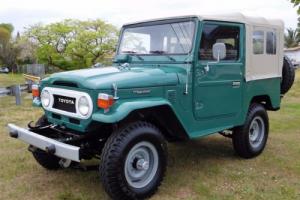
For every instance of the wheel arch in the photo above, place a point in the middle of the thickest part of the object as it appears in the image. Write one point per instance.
(264, 100)
(156, 111)
(163, 117)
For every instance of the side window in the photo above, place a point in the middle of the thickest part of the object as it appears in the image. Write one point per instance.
(258, 42)
(271, 43)
(213, 33)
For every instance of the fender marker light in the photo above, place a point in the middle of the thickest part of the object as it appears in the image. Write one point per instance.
(35, 91)
(105, 100)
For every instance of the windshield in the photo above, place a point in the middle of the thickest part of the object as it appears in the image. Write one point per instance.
(172, 38)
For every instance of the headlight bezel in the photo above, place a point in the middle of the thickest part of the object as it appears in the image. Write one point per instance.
(48, 99)
(83, 106)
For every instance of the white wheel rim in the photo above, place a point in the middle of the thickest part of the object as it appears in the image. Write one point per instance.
(141, 164)
(256, 132)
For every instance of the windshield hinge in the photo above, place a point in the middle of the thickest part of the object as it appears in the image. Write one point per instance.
(115, 90)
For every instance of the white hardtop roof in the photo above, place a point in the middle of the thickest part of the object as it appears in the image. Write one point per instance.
(233, 17)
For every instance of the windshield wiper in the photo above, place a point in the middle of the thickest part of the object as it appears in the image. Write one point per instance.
(129, 52)
(163, 53)
(158, 52)
(133, 53)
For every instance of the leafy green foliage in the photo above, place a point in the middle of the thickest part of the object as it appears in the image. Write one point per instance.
(291, 38)
(296, 4)
(4, 36)
(8, 27)
(8, 49)
(73, 44)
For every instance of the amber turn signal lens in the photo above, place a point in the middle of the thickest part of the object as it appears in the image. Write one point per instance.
(105, 100)
(35, 91)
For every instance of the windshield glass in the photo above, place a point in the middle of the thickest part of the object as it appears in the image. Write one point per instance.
(172, 38)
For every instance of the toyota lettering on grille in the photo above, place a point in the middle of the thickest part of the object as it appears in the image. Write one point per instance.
(66, 101)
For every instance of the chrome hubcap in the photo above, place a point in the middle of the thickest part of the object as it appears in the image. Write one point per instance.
(256, 132)
(141, 165)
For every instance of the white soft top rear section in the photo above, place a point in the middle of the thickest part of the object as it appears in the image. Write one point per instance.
(258, 66)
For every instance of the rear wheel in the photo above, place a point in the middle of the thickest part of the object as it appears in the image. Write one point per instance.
(250, 139)
(133, 161)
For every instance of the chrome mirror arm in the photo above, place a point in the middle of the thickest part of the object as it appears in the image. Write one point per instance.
(206, 68)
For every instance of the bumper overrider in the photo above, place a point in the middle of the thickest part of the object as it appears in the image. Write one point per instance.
(49, 145)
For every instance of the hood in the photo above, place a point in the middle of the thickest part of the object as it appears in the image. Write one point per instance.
(103, 78)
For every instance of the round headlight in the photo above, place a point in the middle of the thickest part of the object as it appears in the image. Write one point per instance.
(45, 98)
(83, 106)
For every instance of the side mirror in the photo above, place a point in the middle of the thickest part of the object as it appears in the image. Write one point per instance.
(219, 51)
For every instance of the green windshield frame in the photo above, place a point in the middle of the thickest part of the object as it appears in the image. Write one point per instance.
(177, 29)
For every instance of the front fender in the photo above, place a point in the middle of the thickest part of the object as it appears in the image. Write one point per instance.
(123, 107)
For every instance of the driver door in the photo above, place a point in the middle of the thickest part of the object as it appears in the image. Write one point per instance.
(218, 84)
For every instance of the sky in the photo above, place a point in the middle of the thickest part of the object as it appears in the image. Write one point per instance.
(22, 13)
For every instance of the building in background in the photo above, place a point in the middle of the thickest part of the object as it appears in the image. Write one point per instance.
(294, 55)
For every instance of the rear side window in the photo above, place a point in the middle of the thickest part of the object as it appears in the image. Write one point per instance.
(271, 43)
(258, 42)
(213, 33)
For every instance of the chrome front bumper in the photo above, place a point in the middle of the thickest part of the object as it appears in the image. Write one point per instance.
(55, 147)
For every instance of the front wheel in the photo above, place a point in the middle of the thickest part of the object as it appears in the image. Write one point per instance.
(46, 160)
(250, 139)
(133, 161)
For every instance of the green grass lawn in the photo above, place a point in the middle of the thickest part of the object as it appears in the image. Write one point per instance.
(201, 169)
(11, 79)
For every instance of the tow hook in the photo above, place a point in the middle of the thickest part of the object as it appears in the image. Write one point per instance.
(37, 128)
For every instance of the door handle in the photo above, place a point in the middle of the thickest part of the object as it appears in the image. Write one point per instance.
(236, 84)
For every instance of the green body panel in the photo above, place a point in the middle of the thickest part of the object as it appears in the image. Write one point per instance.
(268, 87)
(125, 107)
(211, 103)
(102, 78)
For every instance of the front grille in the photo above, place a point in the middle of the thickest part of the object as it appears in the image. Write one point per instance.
(64, 103)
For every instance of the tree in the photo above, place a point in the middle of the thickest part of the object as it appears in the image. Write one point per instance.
(291, 38)
(4, 36)
(296, 4)
(8, 49)
(73, 44)
(8, 27)
(27, 50)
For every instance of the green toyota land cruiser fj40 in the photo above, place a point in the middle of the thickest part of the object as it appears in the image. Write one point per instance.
(172, 79)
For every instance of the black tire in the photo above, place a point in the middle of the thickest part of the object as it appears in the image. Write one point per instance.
(46, 160)
(115, 155)
(244, 142)
(288, 75)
